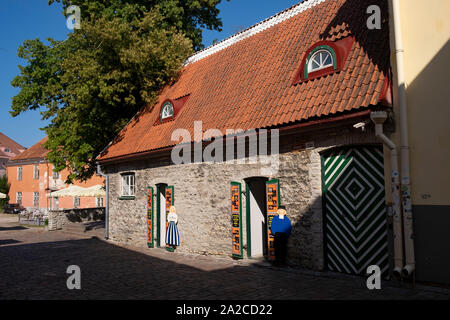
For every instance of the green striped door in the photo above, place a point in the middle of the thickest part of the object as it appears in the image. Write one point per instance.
(355, 211)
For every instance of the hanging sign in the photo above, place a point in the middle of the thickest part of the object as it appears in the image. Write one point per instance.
(236, 220)
(150, 242)
(273, 201)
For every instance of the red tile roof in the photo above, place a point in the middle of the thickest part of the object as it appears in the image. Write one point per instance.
(246, 81)
(8, 143)
(37, 151)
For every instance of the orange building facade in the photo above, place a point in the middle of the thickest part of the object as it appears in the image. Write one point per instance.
(32, 179)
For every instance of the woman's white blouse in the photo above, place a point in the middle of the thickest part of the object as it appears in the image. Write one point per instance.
(172, 217)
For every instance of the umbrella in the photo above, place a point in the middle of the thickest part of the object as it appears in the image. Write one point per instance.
(2, 196)
(94, 191)
(77, 191)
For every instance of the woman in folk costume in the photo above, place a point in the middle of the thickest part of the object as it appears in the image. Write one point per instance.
(172, 235)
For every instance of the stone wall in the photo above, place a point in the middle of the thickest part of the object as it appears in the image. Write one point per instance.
(202, 196)
(57, 219)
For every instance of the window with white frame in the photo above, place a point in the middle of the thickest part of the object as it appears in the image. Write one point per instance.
(36, 172)
(55, 204)
(128, 184)
(320, 60)
(55, 174)
(167, 111)
(76, 202)
(99, 202)
(19, 197)
(36, 199)
(19, 173)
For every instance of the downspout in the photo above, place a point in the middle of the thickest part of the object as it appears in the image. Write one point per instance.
(404, 147)
(100, 172)
(378, 118)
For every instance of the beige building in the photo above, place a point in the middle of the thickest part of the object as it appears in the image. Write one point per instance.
(421, 42)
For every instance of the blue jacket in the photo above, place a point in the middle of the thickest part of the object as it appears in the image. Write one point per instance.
(281, 225)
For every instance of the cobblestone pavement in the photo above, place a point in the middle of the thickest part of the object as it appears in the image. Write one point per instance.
(33, 265)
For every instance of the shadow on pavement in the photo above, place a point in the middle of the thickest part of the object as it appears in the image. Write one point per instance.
(38, 271)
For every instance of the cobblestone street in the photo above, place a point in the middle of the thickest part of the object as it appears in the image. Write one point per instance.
(33, 265)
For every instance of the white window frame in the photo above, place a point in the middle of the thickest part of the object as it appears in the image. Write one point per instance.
(128, 184)
(99, 202)
(55, 203)
(322, 66)
(36, 172)
(76, 202)
(19, 173)
(36, 199)
(164, 114)
(19, 197)
(55, 175)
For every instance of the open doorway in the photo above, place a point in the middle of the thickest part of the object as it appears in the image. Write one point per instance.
(256, 214)
(161, 214)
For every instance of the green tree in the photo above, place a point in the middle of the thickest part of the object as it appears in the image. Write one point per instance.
(92, 83)
(4, 188)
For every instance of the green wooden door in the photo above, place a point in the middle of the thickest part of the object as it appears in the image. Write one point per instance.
(355, 211)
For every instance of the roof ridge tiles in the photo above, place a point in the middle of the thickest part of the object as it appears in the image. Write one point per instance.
(255, 29)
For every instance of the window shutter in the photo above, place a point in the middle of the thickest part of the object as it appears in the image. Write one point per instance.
(273, 202)
(236, 220)
(169, 201)
(150, 238)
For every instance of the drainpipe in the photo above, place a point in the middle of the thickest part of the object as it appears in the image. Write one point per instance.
(378, 118)
(404, 147)
(100, 172)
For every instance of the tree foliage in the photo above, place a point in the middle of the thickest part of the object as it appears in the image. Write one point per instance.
(92, 83)
(4, 188)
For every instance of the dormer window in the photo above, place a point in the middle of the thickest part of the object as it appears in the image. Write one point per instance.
(320, 60)
(324, 58)
(167, 111)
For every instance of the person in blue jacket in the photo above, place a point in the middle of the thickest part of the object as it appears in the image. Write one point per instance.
(281, 229)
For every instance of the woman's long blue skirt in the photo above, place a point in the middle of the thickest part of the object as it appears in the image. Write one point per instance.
(172, 236)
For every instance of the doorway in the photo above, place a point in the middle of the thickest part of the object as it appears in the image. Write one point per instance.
(161, 215)
(256, 214)
(354, 209)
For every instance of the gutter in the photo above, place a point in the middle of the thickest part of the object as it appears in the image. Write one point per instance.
(100, 172)
(378, 118)
(409, 268)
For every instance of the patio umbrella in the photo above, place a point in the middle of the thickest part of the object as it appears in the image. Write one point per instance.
(2, 196)
(71, 191)
(77, 191)
(94, 191)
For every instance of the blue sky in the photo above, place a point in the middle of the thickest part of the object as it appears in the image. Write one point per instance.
(29, 19)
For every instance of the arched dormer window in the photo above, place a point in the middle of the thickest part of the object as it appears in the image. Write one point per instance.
(323, 58)
(320, 58)
(167, 111)
(170, 108)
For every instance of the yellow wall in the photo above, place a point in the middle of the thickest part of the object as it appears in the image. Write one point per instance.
(426, 34)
